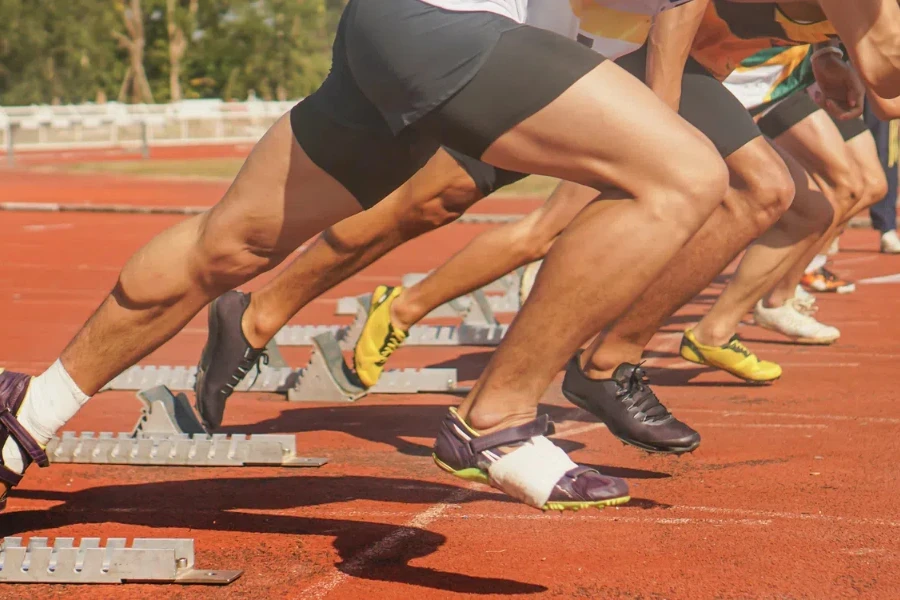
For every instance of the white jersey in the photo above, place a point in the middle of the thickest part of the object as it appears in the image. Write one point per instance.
(611, 27)
(514, 9)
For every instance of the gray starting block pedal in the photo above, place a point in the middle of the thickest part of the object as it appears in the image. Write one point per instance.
(419, 335)
(327, 378)
(489, 218)
(502, 285)
(476, 308)
(168, 433)
(164, 413)
(217, 450)
(147, 560)
(269, 379)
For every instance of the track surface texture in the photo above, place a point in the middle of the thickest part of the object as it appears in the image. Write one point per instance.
(792, 493)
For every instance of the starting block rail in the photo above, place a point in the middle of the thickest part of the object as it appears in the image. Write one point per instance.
(475, 308)
(168, 433)
(147, 560)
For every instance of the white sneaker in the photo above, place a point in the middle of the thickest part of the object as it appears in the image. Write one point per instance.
(529, 274)
(801, 294)
(890, 243)
(834, 248)
(795, 320)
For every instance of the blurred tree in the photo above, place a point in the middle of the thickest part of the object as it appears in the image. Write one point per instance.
(67, 51)
(57, 51)
(135, 84)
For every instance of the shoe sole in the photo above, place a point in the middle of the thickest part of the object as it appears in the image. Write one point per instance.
(479, 476)
(212, 340)
(759, 382)
(800, 340)
(631, 442)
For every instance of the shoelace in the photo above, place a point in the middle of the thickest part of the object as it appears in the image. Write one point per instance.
(805, 306)
(828, 275)
(391, 343)
(247, 363)
(643, 398)
(738, 346)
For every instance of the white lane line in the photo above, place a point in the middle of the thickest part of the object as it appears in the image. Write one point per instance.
(764, 425)
(883, 279)
(386, 545)
(744, 413)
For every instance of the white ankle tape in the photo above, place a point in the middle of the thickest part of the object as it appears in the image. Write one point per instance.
(530, 472)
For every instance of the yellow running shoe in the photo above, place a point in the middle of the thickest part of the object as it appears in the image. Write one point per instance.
(379, 338)
(734, 357)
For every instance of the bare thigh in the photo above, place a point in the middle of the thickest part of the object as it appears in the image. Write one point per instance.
(608, 130)
(278, 200)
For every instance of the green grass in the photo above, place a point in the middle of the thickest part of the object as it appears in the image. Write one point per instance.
(533, 185)
(218, 168)
(227, 168)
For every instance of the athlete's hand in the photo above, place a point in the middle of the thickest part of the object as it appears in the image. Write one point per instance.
(841, 92)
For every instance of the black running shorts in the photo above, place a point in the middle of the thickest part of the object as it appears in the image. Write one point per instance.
(407, 77)
(705, 103)
(796, 107)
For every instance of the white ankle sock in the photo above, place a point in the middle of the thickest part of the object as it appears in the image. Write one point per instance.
(52, 399)
(817, 263)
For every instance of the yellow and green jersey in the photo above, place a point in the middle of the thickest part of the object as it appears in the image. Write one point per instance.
(771, 75)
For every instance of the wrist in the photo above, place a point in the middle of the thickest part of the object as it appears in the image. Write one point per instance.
(827, 51)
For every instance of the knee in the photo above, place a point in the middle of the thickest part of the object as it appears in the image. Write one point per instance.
(457, 196)
(225, 257)
(769, 194)
(692, 193)
(875, 188)
(531, 239)
(849, 188)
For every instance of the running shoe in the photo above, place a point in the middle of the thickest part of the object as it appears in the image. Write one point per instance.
(823, 280)
(795, 320)
(890, 242)
(734, 358)
(379, 337)
(629, 408)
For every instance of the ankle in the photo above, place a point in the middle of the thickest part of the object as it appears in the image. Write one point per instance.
(599, 366)
(487, 421)
(404, 312)
(258, 325)
(712, 336)
(776, 299)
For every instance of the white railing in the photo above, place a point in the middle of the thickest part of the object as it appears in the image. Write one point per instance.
(84, 126)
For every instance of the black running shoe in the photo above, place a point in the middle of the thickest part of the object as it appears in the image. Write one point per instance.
(629, 408)
(226, 359)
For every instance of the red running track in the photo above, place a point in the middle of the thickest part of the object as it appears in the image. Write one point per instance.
(791, 495)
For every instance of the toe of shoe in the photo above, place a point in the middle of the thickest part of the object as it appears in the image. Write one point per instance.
(597, 486)
(680, 438)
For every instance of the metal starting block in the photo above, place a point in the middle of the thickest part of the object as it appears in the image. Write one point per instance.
(466, 334)
(489, 218)
(476, 308)
(327, 378)
(147, 560)
(168, 433)
(502, 285)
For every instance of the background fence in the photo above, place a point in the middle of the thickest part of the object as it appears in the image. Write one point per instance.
(86, 126)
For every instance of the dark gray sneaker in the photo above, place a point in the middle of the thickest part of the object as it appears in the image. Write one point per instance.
(629, 408)
(226, 359)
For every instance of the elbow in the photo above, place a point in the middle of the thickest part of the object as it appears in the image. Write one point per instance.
(885, 111)
(886, 87)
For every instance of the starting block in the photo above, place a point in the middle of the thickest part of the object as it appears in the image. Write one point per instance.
(147, 560)
(476, 308)
(465, 334)
(502, 285)
(327, 378)
(489, 218)
(168, 433)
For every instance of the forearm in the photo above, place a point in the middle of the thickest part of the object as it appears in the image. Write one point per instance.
(669, 46)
